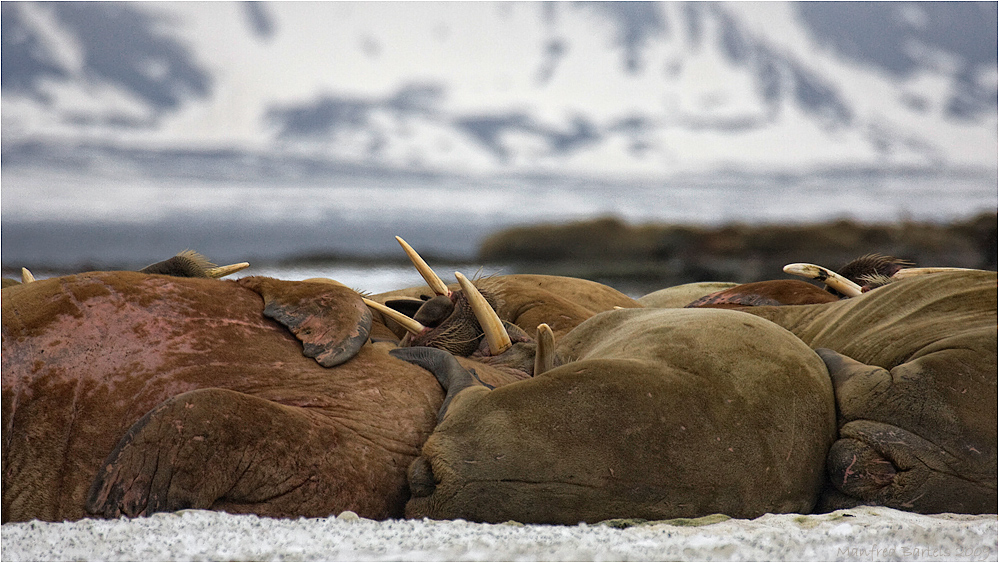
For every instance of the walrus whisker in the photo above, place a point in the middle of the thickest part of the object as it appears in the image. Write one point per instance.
(825, 275)
(496, 335)
(405, 322)
(432, 279)
(462, 341)
(875, 280)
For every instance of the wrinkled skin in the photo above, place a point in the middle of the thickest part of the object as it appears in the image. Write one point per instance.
(664, 413)
(913, 365)
(524, 300)
(127, 394)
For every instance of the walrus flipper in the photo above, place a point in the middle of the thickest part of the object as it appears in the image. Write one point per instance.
(331, 321)
(886, 465)
(449, 373)
(903, 443)
(215, 449)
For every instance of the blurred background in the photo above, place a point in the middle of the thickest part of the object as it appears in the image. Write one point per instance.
(642, 144)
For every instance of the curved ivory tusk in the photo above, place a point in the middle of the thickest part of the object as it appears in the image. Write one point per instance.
(913, 272)
(496, 336)
(405, 322)
(26, 276)
(432, 279)
(222, 271)
(544, 358)
(825, 275)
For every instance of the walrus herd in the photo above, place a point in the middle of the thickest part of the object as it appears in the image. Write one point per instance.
(539, 399)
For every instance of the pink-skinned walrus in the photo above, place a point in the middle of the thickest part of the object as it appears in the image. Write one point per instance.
(127, 393)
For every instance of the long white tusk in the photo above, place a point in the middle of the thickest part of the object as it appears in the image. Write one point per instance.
(405, 322)
(496, 336)
(26, 276)
(222, 271)
(825, 275)
(913, 272)
(544, 358)
(432, 279)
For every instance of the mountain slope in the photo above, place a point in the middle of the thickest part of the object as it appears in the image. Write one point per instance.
(619, 89)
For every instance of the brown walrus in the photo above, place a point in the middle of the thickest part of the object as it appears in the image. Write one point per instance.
(127, 394)
(913, 364)
(661, 413)
(917, 414)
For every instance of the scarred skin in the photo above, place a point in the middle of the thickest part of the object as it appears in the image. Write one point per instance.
(126, 394)
(765, 293)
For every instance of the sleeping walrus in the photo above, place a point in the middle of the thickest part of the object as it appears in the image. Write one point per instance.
(917, 413)
(913, 364)
(661, 413)
(126, 394)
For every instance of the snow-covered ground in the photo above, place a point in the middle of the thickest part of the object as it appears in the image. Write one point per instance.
(597, 89)
(864, 534)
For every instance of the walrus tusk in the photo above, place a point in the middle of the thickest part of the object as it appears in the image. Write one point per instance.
(26, 276)
(405, 322)
(222, 271)
(825, 275)
(905, 273)
(432, 279)
(544, 358)
(496, 336)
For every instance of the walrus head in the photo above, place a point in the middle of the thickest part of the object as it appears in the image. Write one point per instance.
(190, 264)
(871, 271)
(463, 321)
(449, 324)
(864, 274)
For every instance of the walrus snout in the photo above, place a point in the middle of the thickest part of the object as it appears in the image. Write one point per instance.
(434, 311)
(451, 325)
(421, 478)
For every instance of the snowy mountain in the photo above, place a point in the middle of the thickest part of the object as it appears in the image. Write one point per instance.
(620, 89)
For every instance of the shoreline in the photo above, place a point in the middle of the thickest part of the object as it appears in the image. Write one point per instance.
(638, 258)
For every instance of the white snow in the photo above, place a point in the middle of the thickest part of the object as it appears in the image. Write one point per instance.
(492, 59)
(863, 533)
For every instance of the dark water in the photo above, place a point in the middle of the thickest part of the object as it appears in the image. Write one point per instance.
(72, 221)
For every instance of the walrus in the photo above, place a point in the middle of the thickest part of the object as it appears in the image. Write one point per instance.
(185, 264)
(852, 279)
(913, 365)
(926, 343)
(661, 413)
(518, 303)
(127, 393)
